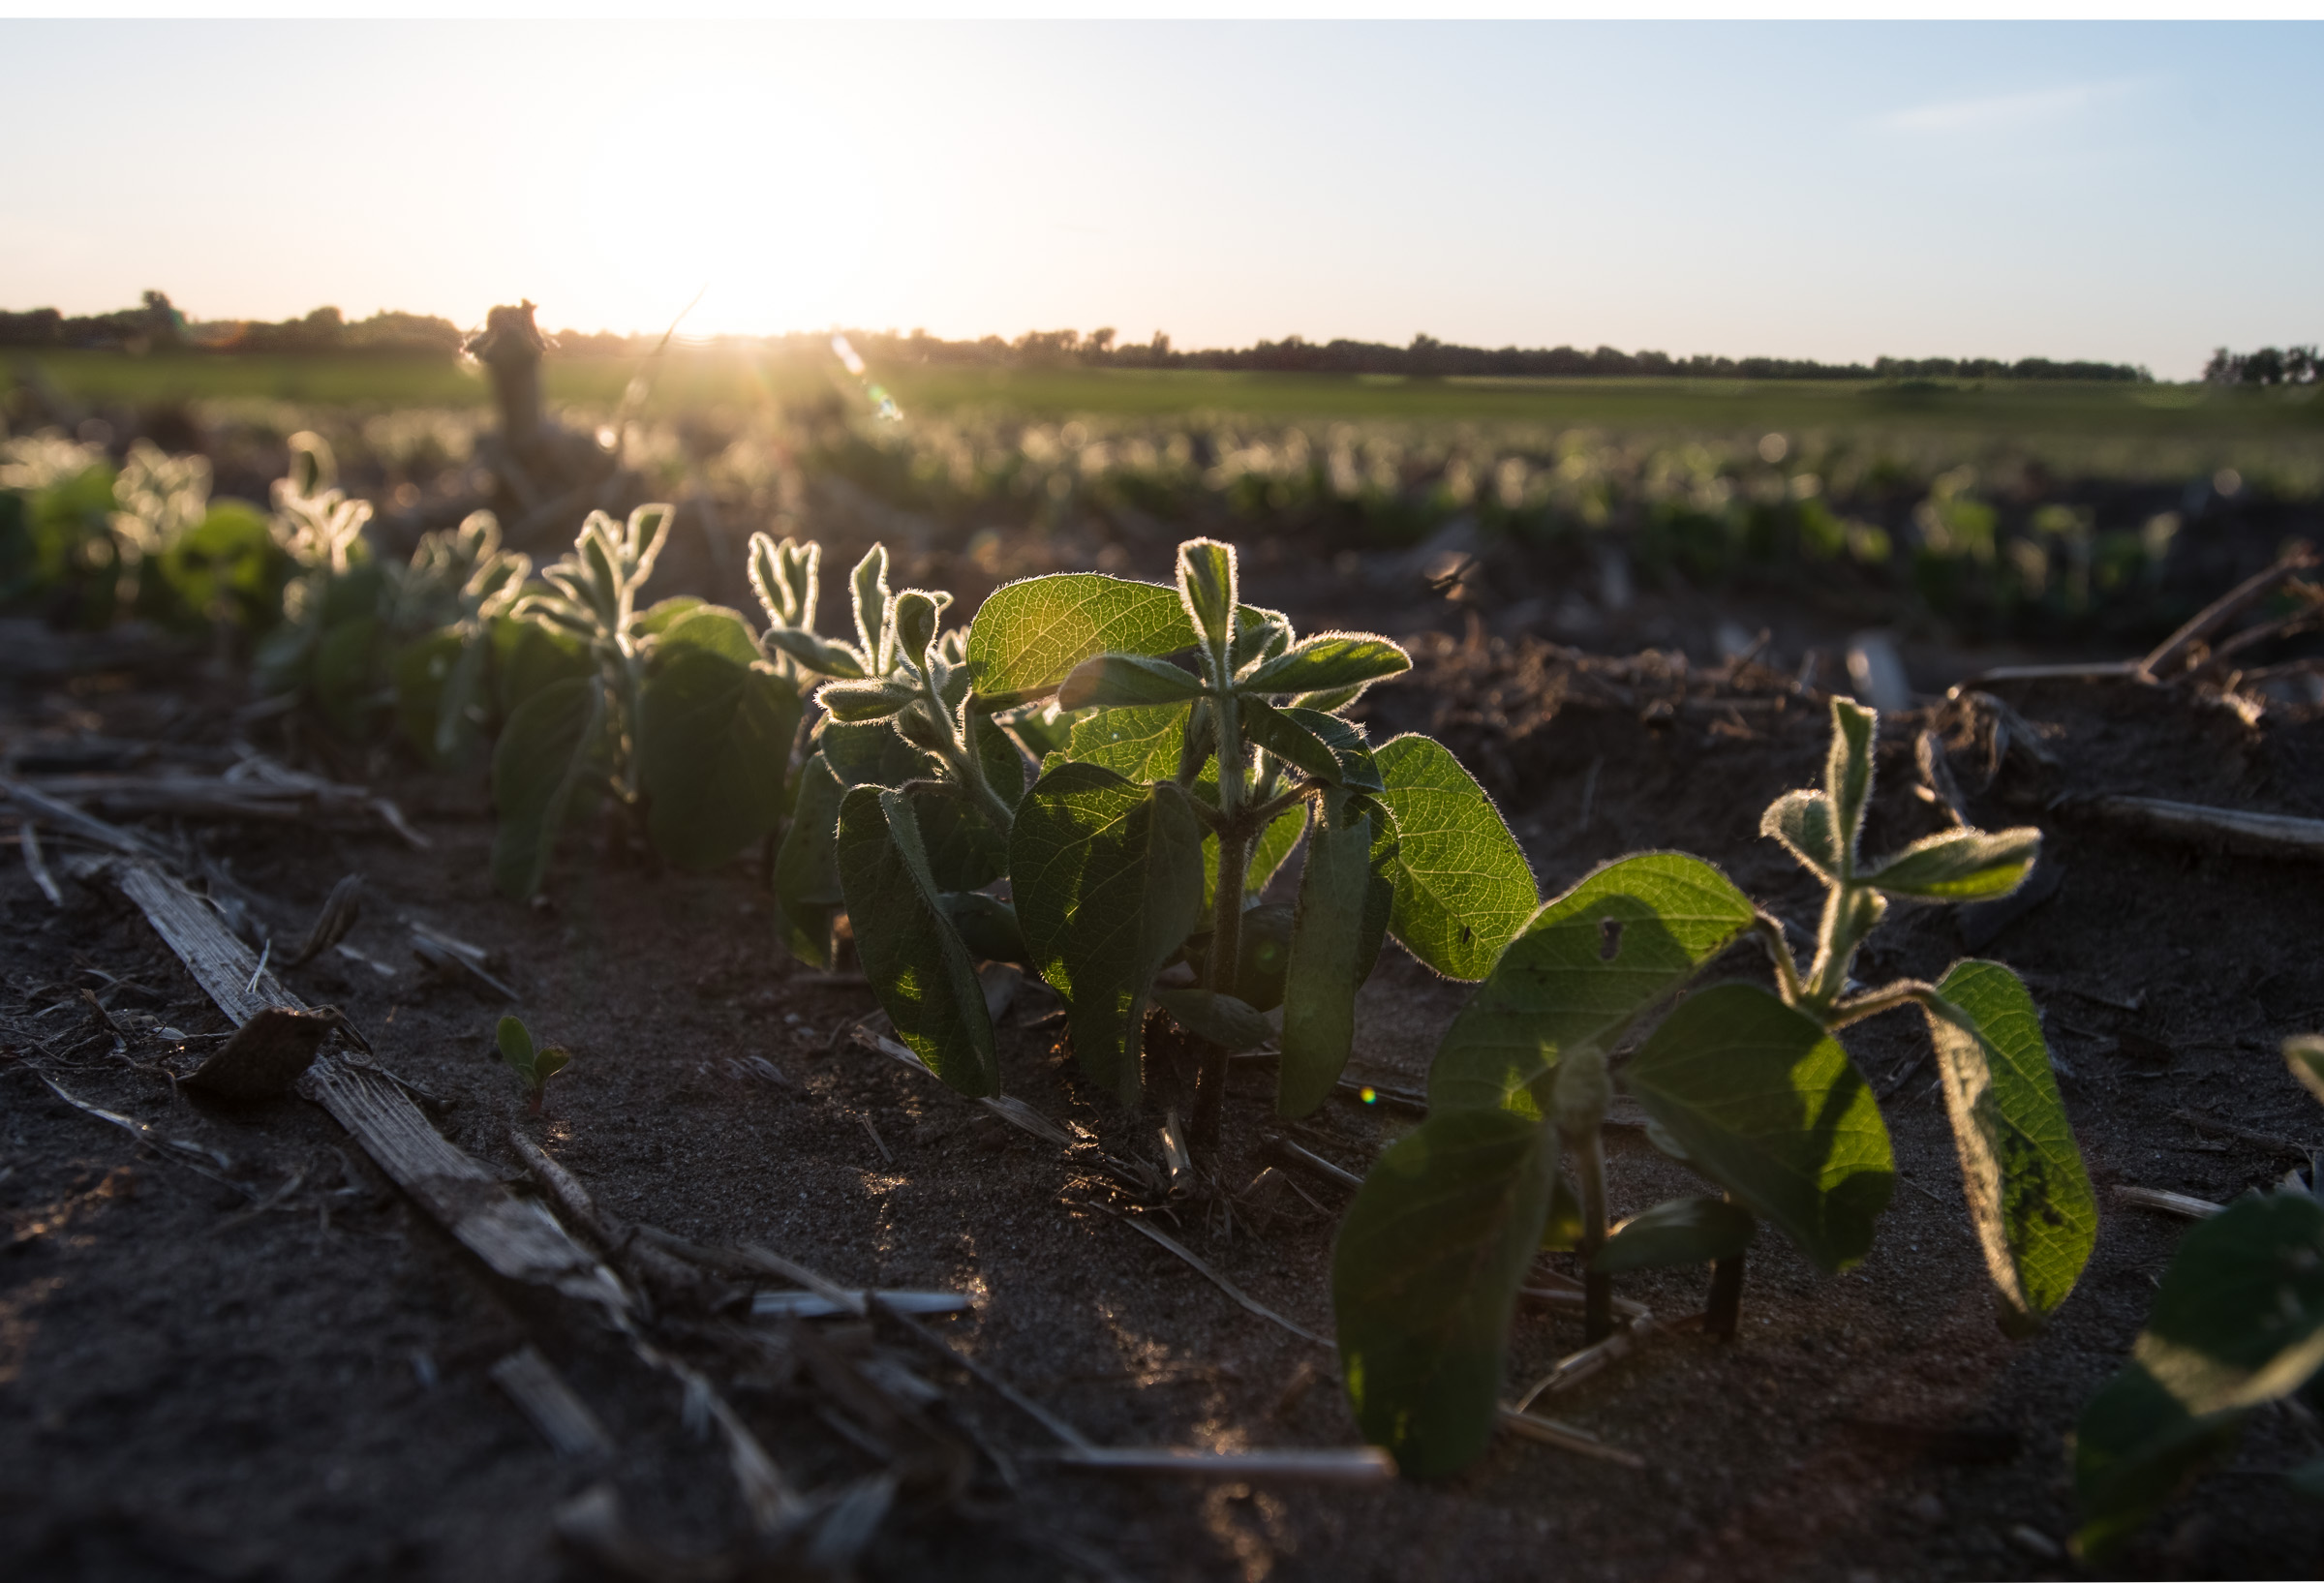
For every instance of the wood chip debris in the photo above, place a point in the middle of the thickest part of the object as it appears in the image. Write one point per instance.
(541, 1394)
(785, 1305)
(1326, 1465)
(2184, 1204)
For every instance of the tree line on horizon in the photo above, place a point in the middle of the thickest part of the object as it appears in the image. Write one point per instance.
(157, 326)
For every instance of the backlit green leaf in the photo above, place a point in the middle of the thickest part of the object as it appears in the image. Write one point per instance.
(1328, 661)
(2240, 1315)
(706, 629)
(1693, 1230)
(1766, 1104)
(554, 748)
(1108, 880)
(2304, 1056)
(1424, 1279)
(1028, 636)
(667, 613)
(2239, 1321)
(1126, 681)
(1463, 885)
(1961, 864)
(1223, 1019)
(807, 873)
(918, 967)
(1586, 967)
(1206, 585)
(1327, 947)
(1321, 745)
(855, 701)
(527, 657)
(1848, 773)
(1802, 820)
(346, 686)
(2029, 1197)
(716, 744)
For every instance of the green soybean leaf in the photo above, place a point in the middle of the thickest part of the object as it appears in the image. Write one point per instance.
(1043, 729)
(1266, 955)
(345, 683)
(2029, 1196)
(1206, 585)
(807, 873)
(716, 744)
(868, 587)
(1321, 745)
(1275, 843)
(2136, 1447)
(2240, 1317)
(965, 852)
(2239, 1321)
(1126, 681)
(1961, 864)
(1259, 633)
(986, 927)
(855, 701)
(1562, 1231)
(2304, 1056)
(1028, 636)
(918, 967)
(1332, 700)
(438, 679)
(1766, 1104)
(870, 754)
(1222, 1020)
(819, 655)
(667, 613)
(1136, 743)
(1693, 1230)
(1424, 1279)
(706, 629)
(1002, 761)
(1108, 880)
(553, 750)
(1802, 820)
(1848, 773)
(1582, 972)
(516, 1045)
(527, 657)
(1327, 945)
(1325, 662)
(1463, 886)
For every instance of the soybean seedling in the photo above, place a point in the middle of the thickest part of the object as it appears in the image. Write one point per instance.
(533, 1065)
(1186, 743)
(1749, 1086)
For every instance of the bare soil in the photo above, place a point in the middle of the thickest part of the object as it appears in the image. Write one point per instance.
(285, 1377)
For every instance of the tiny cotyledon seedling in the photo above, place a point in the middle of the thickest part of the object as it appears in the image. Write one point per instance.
(1747, 1084)
(533, 1064)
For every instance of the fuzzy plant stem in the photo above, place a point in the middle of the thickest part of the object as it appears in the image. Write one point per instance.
(1598, 1289)
(1235, 838)
(1725, 1308)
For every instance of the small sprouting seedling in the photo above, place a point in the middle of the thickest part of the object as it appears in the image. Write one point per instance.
(1186, 743)
(533, 1065)
(1748, 1086)
(2237, 1323)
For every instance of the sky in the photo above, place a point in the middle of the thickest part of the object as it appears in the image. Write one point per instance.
(2136, 191)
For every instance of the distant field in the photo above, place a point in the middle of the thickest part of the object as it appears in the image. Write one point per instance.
(693, 380)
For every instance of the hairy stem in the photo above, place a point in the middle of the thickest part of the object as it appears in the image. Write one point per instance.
(1779, 948)
(1237, 835)
(1598, 1289)
(1723, 1311)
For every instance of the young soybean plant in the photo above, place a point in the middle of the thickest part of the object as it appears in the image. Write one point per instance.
(2238, 1323)
(674, 712)
(1750, 1087)
(1187, 740)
